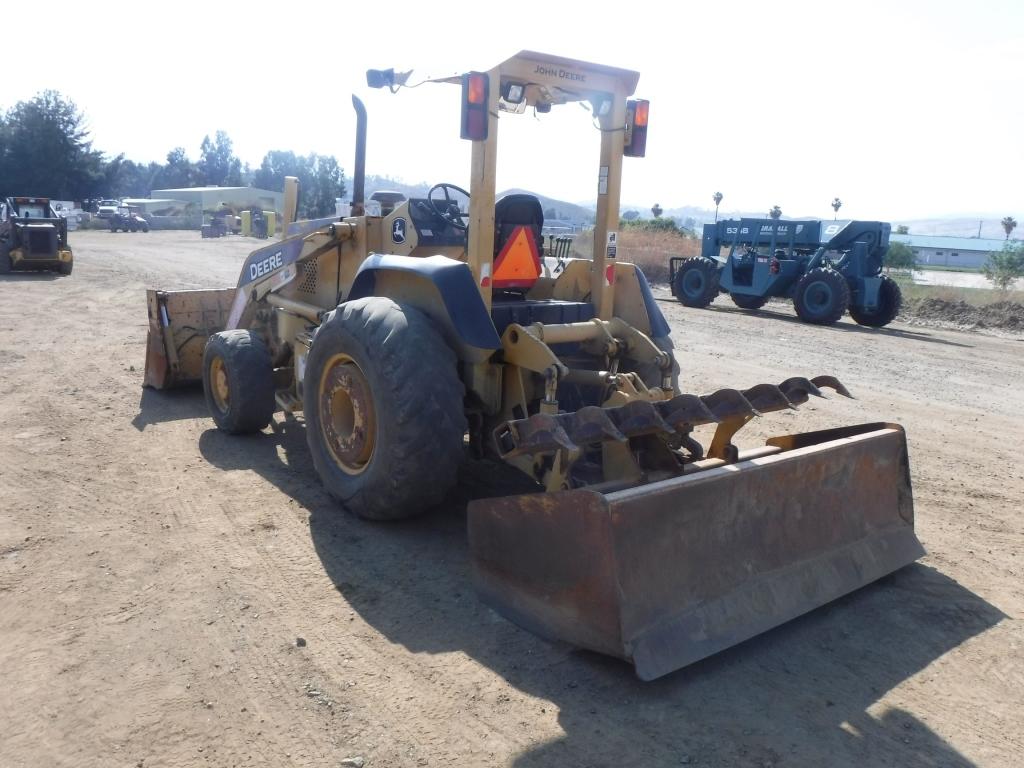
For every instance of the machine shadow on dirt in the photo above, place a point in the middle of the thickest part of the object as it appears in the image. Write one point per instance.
(156, 407)
(28, 277)
(787, 317)
(801, 691)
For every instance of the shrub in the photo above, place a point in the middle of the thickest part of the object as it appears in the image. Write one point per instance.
(900, 256)
(1005, 266)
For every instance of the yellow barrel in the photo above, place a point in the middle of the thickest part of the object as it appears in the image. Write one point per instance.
(246, 223)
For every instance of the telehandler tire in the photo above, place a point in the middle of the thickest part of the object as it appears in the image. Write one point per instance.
(238, 381)
(384, 409)
(5, 262)
(745, 301)
(890, 299)
(696, 282)
(822, 296)
(65, 267)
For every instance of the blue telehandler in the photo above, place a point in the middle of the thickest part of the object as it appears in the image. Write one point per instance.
(825, 267)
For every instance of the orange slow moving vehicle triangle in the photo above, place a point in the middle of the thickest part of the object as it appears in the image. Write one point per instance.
(518, 264)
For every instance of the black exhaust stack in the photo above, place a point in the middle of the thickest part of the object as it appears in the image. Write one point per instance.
(359, 173)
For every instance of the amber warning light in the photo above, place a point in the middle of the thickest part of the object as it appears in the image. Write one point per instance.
(636, 127)
(475, 98)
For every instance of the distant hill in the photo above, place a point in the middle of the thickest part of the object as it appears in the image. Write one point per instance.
(382, 183)
(577, 214)
(961, 226)
(691, 216)
(562, 210)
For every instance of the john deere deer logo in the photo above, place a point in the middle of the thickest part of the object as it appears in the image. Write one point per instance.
(398, 231)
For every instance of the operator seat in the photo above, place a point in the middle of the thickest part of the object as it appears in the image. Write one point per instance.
(518, 210)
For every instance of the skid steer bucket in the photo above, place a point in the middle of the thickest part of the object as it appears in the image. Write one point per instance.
(180, 322)
(668, 573)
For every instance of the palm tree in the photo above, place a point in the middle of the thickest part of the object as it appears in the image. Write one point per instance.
(717, 197)
(775, 212)
(836, 205)
(1009, 225)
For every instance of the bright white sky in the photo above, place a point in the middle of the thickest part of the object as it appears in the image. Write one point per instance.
(903, 109)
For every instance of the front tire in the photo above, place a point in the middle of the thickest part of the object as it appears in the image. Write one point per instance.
(890, 299)
(822, 296)
(65, 267)
(384, 414)
(745, 301)
(238, 381)
(696, 282)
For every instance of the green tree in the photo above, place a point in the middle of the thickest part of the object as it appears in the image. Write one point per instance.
(775, 212)
(657, 210)
(899, 256)
(717, 197)
(45, 150)
(321, 179)
(217, 164)
(275, 166)
(836, 205)
(326, 183)
(1009, 225)
(125, 178)
(1004, 267)
(178, 173)
(902, 229)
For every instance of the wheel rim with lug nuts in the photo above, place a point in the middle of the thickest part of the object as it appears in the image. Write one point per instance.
(693, 283)
(347, 419)
(819, 296)
(219, 385)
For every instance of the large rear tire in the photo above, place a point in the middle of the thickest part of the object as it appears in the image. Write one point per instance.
(65, 267)
(238, 381)
(890, 299)
(745, 301)
(384, 409)
(822, 296)
(5, 261)
(696, 282)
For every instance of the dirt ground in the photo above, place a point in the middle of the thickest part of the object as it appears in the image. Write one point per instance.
(155, 575)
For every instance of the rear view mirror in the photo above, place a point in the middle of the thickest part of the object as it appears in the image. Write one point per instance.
(380, 78)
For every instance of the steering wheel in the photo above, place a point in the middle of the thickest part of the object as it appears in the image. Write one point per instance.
(448, 209)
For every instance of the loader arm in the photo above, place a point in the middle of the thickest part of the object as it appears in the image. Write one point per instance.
(180, 322)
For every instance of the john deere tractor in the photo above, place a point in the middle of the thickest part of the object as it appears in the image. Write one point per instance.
(417, 332)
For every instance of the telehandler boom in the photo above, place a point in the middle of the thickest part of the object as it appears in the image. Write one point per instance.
(415, 330)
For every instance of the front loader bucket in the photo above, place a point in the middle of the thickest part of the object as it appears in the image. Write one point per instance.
(668, 573)
(180, 322)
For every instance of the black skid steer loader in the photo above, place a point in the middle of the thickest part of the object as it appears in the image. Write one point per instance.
(416, 327)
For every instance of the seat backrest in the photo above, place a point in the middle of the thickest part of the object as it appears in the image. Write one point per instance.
(514, 211)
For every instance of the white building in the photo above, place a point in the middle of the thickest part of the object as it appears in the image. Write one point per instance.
(211, 198)
(940, 251)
